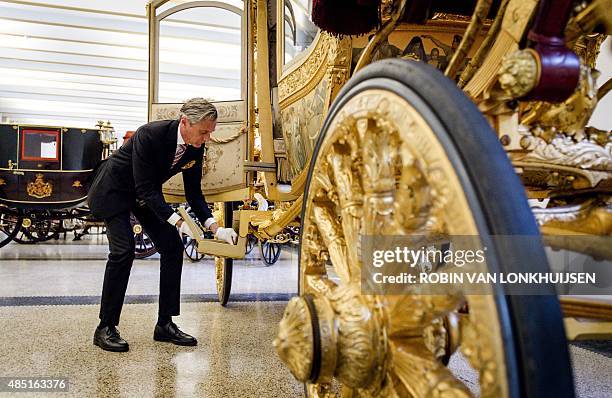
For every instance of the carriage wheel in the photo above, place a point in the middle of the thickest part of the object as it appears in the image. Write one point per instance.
(224, 266)
(191, 249)
(270, 252)
(143, 244)
(251, 243)
(10, 223)
(35, 229)
(403, 151)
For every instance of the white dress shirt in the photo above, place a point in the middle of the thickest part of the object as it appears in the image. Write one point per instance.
(175, 216)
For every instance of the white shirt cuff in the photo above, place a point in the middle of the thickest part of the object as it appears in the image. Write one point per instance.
(210, 221)
(173, 218)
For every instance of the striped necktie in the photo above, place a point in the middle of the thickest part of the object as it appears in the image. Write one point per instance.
(180, 150)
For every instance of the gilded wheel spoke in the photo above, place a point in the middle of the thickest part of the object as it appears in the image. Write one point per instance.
(422, 375)
(331, 233)
(350, 198)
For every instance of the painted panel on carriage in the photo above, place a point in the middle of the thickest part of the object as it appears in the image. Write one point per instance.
(301, 123)
(435, 46)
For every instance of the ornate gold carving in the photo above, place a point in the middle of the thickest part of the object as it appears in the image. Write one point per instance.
(2, 182)
(219, 275)
(518, 74)
(39, 188)
(381, 171)
(563, 150)
(77, 184)
(270, 224)
(591, 217)
(514, 25)
(435, 337)
(571, 116)
(443, 16)
(328, 51)
(557, 151)
(293, 343)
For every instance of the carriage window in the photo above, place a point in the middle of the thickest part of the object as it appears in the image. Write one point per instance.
(40, 145)
(298, 29)
(200, 55)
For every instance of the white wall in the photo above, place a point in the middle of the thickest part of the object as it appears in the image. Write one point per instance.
(602, 117)
(71, 63)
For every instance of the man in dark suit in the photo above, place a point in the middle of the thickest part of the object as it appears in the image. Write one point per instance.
(131, 181)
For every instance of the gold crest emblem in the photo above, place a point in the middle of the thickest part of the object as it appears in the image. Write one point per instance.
(39, 188)
(188, 165)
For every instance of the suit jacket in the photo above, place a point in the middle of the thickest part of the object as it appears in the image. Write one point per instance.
(137, 170)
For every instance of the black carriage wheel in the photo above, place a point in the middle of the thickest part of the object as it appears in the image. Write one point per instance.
(10, 224)
(251, 243)
(191, 249)
(270, 252)
(42, 231)
(224, 266)
(143, 245)
(534, 343)
(38, 230)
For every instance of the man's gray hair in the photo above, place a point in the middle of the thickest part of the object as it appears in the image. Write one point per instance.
(198, 109)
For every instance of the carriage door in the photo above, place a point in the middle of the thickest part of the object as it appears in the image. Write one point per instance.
(198, 49)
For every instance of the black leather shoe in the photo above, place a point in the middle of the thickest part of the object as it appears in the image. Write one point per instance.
(108, 339)
(170, 332)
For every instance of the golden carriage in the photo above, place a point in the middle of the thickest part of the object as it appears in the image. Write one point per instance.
(349, 149)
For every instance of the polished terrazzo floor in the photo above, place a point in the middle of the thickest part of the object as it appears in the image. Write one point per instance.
(234, 357)
(49, 295)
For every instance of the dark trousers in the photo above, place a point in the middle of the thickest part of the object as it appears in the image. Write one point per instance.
(121, 242)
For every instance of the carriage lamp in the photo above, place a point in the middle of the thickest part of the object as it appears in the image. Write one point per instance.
(106, 132)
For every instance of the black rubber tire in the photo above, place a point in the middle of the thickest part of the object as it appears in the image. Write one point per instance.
(228, 263)
(532, 326)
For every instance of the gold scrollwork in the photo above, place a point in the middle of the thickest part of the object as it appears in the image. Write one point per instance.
(329, 51)
(77, 184)
(2, 182)
(39, 188)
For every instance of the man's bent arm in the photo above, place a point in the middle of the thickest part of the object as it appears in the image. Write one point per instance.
(143, 155)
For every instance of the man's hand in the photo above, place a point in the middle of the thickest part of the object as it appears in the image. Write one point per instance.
(184, 229)
(227, 234)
